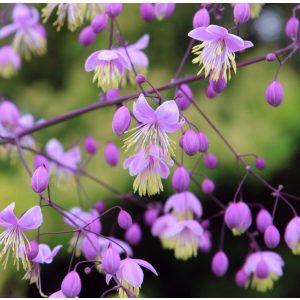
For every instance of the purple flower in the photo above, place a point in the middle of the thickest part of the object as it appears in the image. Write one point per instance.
(109, 67)
(111, 154)
(164, 10)
(131, 275)
(12, 238)
(113, 9)
(151, 215)
(190, 142)
(39, 180)
(241, 12)
(272, 237)
(133, 234)
(219, 264)
(90, 144)
(184, 95)
(124, 219)
(99, 23)
(216, 53)
(121, 120)
(201, 18)
(71, 285)
(30, 35)
(119, 245)
(10, 61)
(211, 161)
(263, 220)
(148, 167)
(207, 186)
(110, 95)
(292, 28)
(203, 142)
(260, 163)
(9, 114)
(181, 179)
(147, 12)
(110, 261)
(58, 294)
(205, 242)
(154, 125)
(87, 36)
(90, 246)
(274, 93)
(292, 235)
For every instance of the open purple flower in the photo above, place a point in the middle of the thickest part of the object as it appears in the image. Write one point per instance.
(216, 53)
(13, 238)
(10, 61)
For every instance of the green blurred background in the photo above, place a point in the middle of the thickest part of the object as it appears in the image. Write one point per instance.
(57, 83)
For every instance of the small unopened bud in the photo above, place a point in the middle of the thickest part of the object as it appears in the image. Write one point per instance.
(113, 9)
(183, 97)
(111, 154)
(99, 23)
(164, 10)
(211, 161)
(71, 285)
(147, 12)
(271, 57)
(274, 93)
(150, 216)
(262, 269)
(87, 270)
(133, 234)
(181, 180)
(87, 36)
(210, 92)
(207, 186)
(263, 220)
(201, 18)
(32, 249)
(40, 160)
(292, 28)
(272, 237)
(241, 278)
(121, 120)
(124, 219)
(220, 264)
(260, 163)
(90, 145)
(110, 261)
(100, 206)
(241, 12)
(203, 142)
(190, 142)
(140, 79)
(90, 246)
(39, 179)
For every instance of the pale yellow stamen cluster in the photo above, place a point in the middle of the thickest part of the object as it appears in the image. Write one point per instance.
(262, 285)
(128, 286)
(7, 71)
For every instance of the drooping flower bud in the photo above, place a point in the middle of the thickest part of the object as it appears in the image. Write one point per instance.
(238, 217)
(292, 28)
(100, 206)
(183, 97)
(90, 144)
(147, 12)
(220, 264)
(99, 23)
(121, 120)
(271, 57)
(87, 36)
(263, 220)
(71, 285)
(32, 249)
(262, 270)
(110, 95)
(111, 154)
(241, 278)
(241, 12)
(205, 242)
(201, 18)
(140, 79)
(164, 10)
(90, 246)
(181, 179)
(110, 261)
(190, 142)
(211, 161)
(274, 93)
(124, 219)
(272, 237)
(9, 114)
(151, 215)
(210, 92)
(207, 186)
(203, 142)
(219, 85)
(40, 160)
(260, 163)
(133, 234)
(39, 179)
(113, 9)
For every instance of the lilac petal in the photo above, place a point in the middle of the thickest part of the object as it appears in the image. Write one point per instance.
(174, 230)
(142, 43)
(53, 253)
(7, 216)
(207, 34)
(124, 60)
(75, 211)
(194, 203)
(44, 252)
(248, 44)
(194, 226)
(128, 161)
(162, 223)
(274, 262)
(74, 154)
(291, 234)
(235, 43)
(32, 219)
(92, 61)
(217, 30)
(146, 265)
(167, 115)
(108, 278)
(143, 112)
(54, 149)
(7, 30)
(131, 272)
(138, 165)
(164, 170)
(138, 58)
(120, 246)
(58, 294)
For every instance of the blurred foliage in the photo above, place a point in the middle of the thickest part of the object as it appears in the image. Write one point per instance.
(57, 83)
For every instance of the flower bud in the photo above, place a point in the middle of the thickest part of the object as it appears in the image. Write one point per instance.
(181, 180)
(190, 142)
(90, 145)
(113, 9)
(90, 246)
(292, 28)
(271, 57)
(110, 95)
(183, 97)
(241, 12)
(147, 12)
(40, 160)
(272, 237)
(140, 79)
(124, 219)
(39, 179)
(110, 261)
(205, 242)
(263, 220)
(238, 217)
(201, 18)
(211, 161)
(210, 92)
(32, 249)
(87, 36)
(71, 285)
(262, 270)
(121, 120)
(219, 264)
(241, 278)
(203, 142)
(150, 216)
(133, 234)
(274, 93)
(260, 163)
(207, 186)
(99, 23)
(9, 114)
(100, 206)
(164, 10)
(111, 154)
(219, 85)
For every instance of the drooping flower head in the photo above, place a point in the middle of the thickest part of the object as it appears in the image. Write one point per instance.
(30, 35)
(154, 126)
(216, 53)
(109, 67)
(149, 165)
(292, 235)
(13, 238)
(262, 269)
(10, 61)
